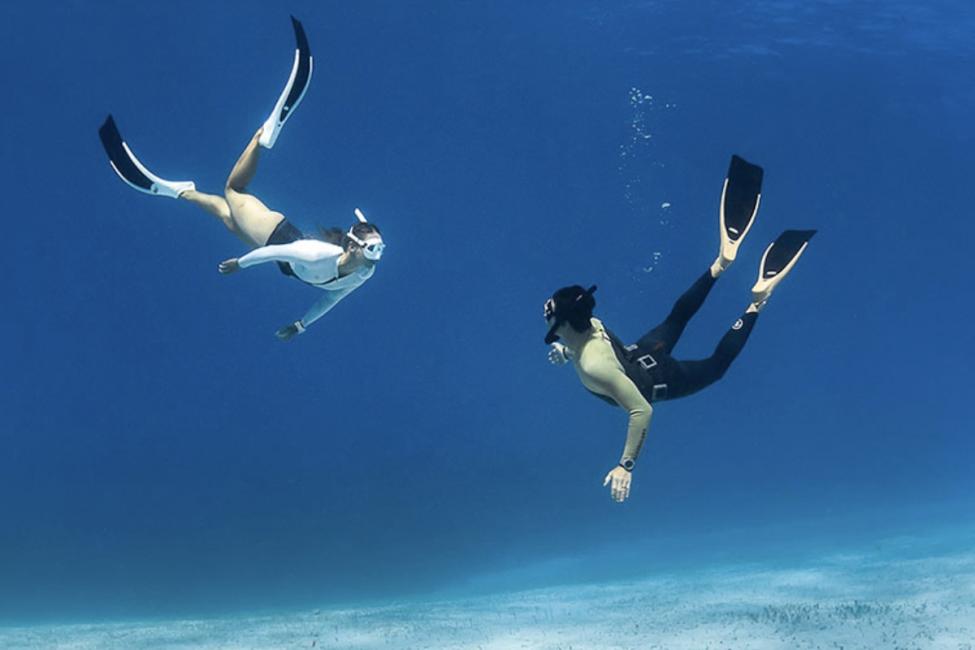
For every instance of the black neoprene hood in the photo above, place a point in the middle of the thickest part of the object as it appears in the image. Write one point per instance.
(573, 305)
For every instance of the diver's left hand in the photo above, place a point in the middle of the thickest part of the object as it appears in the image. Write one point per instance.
(558, 354)
(229, 266)
(288, 332)
(619, 481)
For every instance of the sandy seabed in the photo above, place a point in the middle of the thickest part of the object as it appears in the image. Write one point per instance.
(846, 602)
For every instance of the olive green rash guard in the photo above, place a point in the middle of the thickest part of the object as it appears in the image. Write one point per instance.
(601, 373)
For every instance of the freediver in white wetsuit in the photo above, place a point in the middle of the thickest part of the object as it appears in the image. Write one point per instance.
(338, 262)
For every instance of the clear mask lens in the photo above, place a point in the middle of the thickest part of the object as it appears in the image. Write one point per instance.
(549, 309)
(373, 250)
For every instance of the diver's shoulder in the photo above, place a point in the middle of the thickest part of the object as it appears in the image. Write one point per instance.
(598, 328)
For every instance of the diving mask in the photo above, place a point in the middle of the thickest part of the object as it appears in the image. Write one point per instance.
(372, 247)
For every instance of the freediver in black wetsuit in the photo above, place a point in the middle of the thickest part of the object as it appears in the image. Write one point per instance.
(635, 376)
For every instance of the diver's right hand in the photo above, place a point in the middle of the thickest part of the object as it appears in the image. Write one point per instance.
(618, 480)
(229, 266)
(559, 354)
(288, 332)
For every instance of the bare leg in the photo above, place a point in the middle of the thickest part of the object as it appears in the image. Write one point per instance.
(254, 221)
(245, 168)
(218, 207)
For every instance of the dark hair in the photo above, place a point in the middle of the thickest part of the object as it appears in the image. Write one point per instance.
(341, 238)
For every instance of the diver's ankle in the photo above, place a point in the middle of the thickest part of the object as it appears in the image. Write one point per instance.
(719, 266)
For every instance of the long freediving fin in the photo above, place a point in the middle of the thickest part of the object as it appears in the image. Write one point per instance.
(294, 90)
(740, 198)
(133, 172)
(779, 258)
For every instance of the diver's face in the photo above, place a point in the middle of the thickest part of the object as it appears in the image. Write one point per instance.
(548, 311)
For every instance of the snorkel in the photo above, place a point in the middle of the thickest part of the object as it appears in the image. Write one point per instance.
(372, 246)
(572, 305)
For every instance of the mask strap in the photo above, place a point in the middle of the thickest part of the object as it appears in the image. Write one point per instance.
(358, 241)
(361, 242)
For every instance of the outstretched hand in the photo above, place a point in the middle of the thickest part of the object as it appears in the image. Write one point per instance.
(618, 480)
(287, 332)
(558, 355)
(229, 266)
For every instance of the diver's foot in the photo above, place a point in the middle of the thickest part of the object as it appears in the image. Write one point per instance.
(131, 170)
(191, 194)
(174, 189)
(720, 265)
(267, 141)
(755, 307)
(779, 259)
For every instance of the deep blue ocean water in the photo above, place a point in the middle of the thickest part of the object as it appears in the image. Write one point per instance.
(162, 454)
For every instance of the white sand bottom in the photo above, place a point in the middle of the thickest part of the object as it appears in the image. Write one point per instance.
(841, 602)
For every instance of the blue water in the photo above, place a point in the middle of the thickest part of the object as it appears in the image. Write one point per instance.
(162, 454)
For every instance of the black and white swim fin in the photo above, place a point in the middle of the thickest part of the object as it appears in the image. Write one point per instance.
(133, 172)
(294, 90)
(779, 258)
(739, 204)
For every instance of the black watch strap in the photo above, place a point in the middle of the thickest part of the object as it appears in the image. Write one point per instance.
(628, 464)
